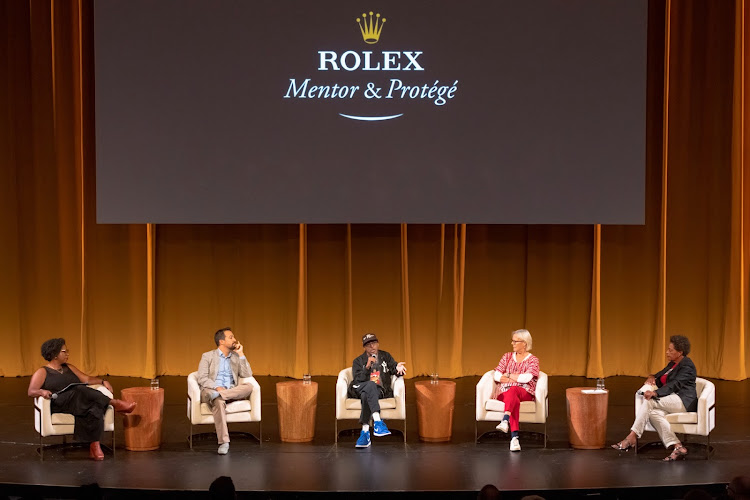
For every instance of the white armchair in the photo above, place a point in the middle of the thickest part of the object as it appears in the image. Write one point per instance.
(247, 410)
(697, 423)
(47, 423)
(492, 410)
(349, 409)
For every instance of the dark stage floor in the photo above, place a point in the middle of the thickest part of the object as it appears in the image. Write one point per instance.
(321, 469)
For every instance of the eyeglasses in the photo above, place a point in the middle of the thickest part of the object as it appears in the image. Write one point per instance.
(65, 351)
(516, 341)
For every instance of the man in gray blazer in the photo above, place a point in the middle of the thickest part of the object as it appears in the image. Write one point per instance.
(219, 373)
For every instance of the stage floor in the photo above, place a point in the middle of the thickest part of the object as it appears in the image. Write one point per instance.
(457, 469)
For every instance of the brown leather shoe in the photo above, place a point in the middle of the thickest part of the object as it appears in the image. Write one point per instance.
(95, 451)
(121, 406)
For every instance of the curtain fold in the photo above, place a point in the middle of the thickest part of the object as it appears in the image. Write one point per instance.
(145, 300)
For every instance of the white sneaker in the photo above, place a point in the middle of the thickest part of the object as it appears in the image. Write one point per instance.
(514, 444)
(223, 448)
(503, 426)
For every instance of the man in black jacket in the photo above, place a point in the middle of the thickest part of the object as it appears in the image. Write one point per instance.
(371, 373)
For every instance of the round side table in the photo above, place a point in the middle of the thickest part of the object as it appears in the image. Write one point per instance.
(587, 417)
(435, 404)
(297, 403)
(143, 426)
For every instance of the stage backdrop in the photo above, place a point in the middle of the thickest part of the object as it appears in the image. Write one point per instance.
(599, 300)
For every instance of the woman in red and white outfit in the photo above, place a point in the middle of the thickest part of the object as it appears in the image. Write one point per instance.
(515, 378)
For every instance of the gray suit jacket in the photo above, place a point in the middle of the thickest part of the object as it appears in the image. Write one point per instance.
(208, 369)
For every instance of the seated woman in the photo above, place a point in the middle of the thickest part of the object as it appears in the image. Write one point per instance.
(87, 405)
(516, 376)
(672, 390)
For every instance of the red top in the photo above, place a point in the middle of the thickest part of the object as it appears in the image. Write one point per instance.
(508, 364)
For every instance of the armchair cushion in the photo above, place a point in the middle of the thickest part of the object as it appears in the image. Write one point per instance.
(233, 407)
(495, 405)
(385, 404)
(683, 418)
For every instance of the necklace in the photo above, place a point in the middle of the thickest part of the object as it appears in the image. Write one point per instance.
(59, 370)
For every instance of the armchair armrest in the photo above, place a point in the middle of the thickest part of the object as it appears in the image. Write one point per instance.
(255, 405)
(485, 386)
(399, 387)
(342, 389)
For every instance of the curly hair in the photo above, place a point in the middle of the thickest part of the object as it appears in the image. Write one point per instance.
(51, 348)
(681, 344)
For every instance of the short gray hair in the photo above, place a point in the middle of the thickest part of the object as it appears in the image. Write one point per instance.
(525, 336)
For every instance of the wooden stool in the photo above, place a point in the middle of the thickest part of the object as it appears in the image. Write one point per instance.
(435, 404)
(587, 417)
(143, 426)
(297, 403)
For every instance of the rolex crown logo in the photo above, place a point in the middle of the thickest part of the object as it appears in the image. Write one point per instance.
(371, 28)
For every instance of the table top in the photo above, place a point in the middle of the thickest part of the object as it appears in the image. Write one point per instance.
(298, 383)
(141, 390)
(589, 391)
(429, 384)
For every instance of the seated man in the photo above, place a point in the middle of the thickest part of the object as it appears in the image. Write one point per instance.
(218, 374)
(371, 373)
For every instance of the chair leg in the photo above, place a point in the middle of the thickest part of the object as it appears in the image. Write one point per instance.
(404, 429)
(708, 446)
(190, 438)
(114, 448)
(41, 447)
(475, 432)
(545, 434)
(336, 429)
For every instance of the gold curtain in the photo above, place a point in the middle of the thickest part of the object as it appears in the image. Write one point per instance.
(141, 300)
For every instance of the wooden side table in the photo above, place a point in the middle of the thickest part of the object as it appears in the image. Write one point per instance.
(587, 417)
(435, 404)
(143, 426)
(297, 403)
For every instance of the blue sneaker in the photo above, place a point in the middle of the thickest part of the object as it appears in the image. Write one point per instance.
(380, 429)
(364, 439)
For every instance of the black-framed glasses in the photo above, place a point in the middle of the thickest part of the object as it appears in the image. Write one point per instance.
(516, 341)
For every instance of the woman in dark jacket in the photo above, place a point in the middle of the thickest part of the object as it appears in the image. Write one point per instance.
(87, 405)
(672, 390)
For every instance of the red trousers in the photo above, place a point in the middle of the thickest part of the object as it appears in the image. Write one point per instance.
(512, 399)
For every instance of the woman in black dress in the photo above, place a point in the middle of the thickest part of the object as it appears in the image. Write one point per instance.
(87, 405)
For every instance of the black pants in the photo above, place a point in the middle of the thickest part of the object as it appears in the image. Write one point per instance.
(88, 407)
(369, 393)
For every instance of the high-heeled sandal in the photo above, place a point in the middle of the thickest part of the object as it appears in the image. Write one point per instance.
(678, 453)
(619, 446)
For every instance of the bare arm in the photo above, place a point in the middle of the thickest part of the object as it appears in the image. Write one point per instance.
(89, 379)
(35, 385)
